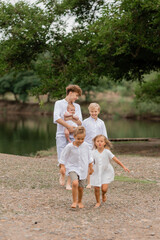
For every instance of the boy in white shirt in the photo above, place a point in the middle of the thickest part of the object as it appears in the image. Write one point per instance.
(94, 126)
(75, 161)
(72, 94)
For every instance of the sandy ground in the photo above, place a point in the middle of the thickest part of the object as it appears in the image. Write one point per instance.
(34, 207)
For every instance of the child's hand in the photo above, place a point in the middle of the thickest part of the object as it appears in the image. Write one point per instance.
(126, 169)
(90, 170)
(63, 170)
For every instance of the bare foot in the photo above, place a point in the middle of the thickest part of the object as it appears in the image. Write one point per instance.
(80, 205)
(97, 205)
(88, 186)
(68, 187)
(74, 205)
(104, 198)
(62, 180)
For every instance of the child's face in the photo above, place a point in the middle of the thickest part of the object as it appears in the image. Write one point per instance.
(71, 109)
(94, 112)
(100, 142)
(79, 139)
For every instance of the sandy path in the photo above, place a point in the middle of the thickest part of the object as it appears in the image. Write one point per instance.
(34, 207)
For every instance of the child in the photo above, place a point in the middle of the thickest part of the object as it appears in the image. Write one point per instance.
(103, 170)
(75, 161)
(94, 126)
(70, 117)
(72, 94)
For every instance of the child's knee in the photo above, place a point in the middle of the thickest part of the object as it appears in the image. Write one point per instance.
(97, 189)
(104, 188)
(75, 183)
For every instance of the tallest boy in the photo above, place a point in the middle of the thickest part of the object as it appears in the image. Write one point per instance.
(72, 94)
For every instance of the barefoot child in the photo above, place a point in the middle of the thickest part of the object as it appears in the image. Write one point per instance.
(103, 170)
(72, 94)
(94, 126)
(75, 161)
(70, 118)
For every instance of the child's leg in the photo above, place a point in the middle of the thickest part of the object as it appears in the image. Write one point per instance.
(80, 192)
(80, 195)
(62, 178)
(66, 132)
(88, 182)
(74, 193)
(97, 195)
(104, 191)
(68, 185)
(74, 179)
(61, 142)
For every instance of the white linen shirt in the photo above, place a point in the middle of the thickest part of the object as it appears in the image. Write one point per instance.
(76, 159)
(60, 108)
(93, 128)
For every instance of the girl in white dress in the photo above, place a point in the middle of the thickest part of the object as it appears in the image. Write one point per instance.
(103, 171)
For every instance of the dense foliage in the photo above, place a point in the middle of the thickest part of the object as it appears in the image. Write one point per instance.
(149, 91)
(117, 40)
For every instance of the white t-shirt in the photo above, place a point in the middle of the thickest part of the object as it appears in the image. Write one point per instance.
(93, 128)
(76, 159)
(60, 108)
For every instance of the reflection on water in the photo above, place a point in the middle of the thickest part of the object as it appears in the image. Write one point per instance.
(124, 128)
(23, 136)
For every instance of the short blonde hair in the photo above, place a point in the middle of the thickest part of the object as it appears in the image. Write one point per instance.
(108, 144)
(73, 88)
(94, 105)
(79, 130)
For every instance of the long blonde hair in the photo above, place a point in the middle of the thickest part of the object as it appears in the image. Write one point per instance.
(108, 144)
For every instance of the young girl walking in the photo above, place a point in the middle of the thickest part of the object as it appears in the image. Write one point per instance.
(103, 171)
(75, 160)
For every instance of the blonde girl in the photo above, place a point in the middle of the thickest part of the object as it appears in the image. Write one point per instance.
(103, 171)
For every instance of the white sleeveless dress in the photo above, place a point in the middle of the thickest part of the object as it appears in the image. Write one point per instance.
(103, 170)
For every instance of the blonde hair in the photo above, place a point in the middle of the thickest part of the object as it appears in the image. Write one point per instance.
(79, 130)
(73, 88)
(94, 105)
(108, 144)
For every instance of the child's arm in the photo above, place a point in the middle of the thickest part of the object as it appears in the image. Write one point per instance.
(90, 169)
(64, 124)
(121, 164)
(77, 121)
(75, 117)
(63, 169)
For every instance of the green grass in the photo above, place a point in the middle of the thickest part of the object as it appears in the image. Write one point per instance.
(135, 180)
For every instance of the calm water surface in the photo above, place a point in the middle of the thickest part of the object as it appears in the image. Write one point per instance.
(25, 136)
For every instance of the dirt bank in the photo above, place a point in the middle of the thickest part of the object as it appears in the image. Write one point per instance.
(26, 109)
(16, 108)
(34, 207)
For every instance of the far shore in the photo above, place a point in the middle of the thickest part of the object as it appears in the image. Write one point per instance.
(10, 108)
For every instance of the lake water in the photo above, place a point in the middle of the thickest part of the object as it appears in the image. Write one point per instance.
(25, 136)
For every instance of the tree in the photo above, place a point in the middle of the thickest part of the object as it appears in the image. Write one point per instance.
(25, 81)
(7, 83)
(24, 30)
(18, 84)
(83, 11)
(119, 40)
(149, 91)
(126, 39)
